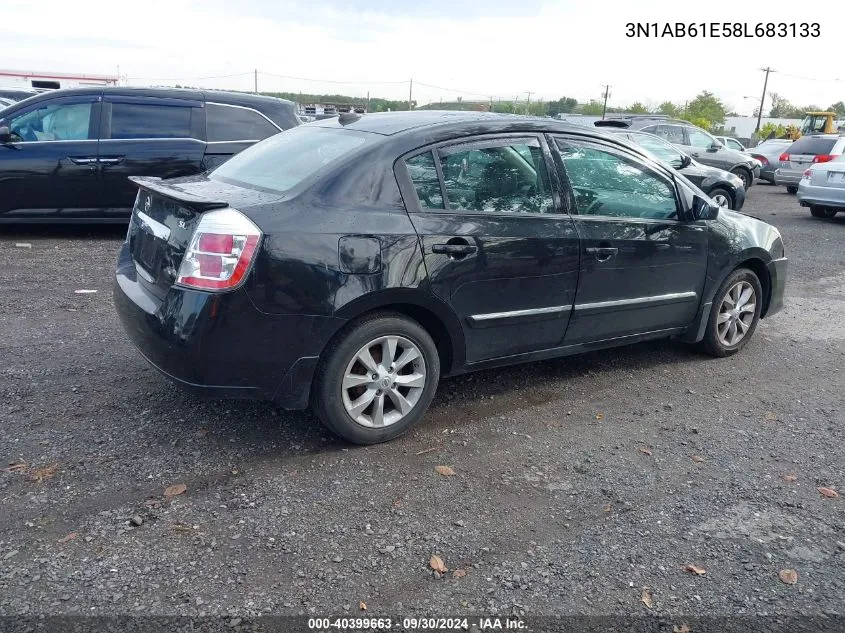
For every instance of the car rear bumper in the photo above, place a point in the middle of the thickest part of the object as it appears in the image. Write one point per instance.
(777, 276)
(788, 178)
(810, 196)
(768, 175)
(221, 345)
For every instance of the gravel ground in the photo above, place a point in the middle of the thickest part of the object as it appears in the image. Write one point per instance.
(582, 486)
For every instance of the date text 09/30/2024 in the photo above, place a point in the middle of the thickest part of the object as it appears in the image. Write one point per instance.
(418, 624)
(722, 29)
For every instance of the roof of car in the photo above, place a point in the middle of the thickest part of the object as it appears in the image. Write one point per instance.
(389, 123)
(183, 93)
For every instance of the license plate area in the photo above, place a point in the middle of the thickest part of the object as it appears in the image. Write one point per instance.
(836, 177)
(146, 251)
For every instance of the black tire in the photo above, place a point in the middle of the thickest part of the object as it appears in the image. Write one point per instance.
(711, 344)
(745, 176)
(792, 190)
(327, 393)
(822, 212)
(719, 191)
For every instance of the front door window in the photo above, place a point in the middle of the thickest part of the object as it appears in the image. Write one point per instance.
(53, 122)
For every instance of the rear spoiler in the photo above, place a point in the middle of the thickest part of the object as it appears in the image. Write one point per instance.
(177, 194)
(612, 123)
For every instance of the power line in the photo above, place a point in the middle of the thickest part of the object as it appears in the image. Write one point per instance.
(191, 78)
(808, 78)
(333, 81)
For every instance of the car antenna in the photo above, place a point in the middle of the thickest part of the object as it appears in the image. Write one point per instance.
(348, 117)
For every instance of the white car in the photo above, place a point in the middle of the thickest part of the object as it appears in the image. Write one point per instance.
(732, 143)
(822, 188)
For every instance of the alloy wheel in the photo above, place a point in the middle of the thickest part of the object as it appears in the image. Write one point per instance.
(722, 200)
(736, 314)
(384, 381)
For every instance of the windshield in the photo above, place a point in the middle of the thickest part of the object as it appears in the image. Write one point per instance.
(281, 162)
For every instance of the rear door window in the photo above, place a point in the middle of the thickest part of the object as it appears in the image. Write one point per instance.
(699, 139)
(137, 120)
(423, 174)
(814, 146)
(230, 123)
(500, 176)
(671, 133)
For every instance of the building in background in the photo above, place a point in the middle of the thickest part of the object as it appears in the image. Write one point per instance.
(50, 80)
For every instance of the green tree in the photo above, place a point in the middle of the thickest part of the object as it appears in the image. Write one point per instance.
(592, 108)
(839, 108)
(700, 121)
(637, 108)
(537, 109)
(706, 107)
(670, 109)
(771, 129)
(564, 105)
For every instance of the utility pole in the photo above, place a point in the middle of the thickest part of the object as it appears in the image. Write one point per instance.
(606, 95)
(367, 108)
(528, 103)
(256, 81)
(766, 70)
(411, 95)
(491, 103)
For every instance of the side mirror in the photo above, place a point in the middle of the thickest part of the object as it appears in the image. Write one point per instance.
(715, 147)
(704, 209)
(686, 161)
(5, 135)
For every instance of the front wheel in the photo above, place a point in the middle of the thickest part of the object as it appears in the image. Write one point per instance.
(734, 315)
(822, 212)
(792, 190)
(376, 380)
(722, 197)
(747, 179)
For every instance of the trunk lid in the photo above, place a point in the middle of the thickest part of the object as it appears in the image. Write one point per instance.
(164, 218)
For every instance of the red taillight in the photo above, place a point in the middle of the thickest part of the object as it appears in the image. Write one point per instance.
(220, 252)
(823, 158)
(784, 158)
(807, 173)
(211, 243)
(763, 160)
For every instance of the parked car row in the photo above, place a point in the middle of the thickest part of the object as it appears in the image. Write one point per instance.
(694, 141)
(67, 155)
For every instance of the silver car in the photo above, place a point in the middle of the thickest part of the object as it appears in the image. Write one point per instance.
(768, 153)
(803, 154)
(822, 188)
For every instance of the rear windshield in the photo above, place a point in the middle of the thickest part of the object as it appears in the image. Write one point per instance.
(810, 145)
(281, 162)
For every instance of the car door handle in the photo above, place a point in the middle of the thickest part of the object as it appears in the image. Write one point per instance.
(82, 160)
(111, 161)
(454, 250)
(602, 253)
(694, 154)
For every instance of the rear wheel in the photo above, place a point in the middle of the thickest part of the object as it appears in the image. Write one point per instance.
(792, 190)
(822, 212)
(376, 379)
(722, 197)
(734, 315)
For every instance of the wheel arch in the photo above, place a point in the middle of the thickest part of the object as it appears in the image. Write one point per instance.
(436, 317)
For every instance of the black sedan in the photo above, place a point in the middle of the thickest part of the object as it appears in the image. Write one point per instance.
(350, 263)
(726, 189)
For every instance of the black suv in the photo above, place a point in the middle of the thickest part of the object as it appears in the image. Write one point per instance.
(692, 140)
(66, 155)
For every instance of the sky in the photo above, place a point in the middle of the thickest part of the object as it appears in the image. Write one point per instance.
(474, 49)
